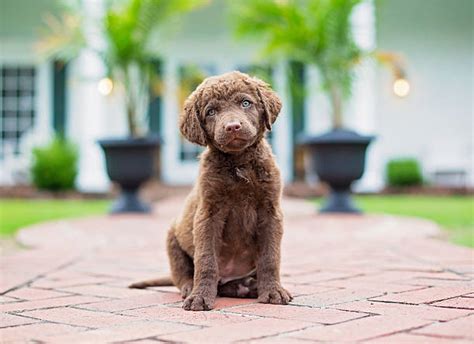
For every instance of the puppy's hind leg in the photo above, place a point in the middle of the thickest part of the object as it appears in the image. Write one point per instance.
(245, 287)
(182, 266)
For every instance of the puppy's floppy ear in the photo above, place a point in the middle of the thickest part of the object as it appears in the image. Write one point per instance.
(270, 101)
(189, 123)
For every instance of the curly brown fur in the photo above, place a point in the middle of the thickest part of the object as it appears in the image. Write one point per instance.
(227, 240)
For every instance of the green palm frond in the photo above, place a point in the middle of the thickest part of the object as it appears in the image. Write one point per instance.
(63, 37)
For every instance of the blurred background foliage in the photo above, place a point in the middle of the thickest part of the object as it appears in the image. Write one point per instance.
(54, 166)
(404, 172)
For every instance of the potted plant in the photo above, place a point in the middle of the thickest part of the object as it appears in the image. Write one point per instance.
(319, 33)
(127, 27)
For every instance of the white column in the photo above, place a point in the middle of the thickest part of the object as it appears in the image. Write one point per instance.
(44, 98)
(170, 147)
(282, 129)
(317, 106)
(361, 110)
(86, 122)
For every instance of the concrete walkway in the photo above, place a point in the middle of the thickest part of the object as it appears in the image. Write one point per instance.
(359, 279)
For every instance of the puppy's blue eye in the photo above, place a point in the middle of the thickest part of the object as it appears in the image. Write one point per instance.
(211, 112)
(246, 103)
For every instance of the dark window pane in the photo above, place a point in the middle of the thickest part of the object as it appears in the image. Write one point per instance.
(27, 72)
(10, 72)
(25, 93)
(18, 105)
(10, 93)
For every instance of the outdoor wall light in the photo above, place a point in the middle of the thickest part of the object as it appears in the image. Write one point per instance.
(105, 86)
(401, 87)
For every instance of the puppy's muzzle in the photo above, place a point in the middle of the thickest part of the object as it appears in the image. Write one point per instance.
(233, 127)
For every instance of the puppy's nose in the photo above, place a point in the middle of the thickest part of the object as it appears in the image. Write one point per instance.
(233, 126)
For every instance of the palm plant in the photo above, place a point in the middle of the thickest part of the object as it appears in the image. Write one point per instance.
(314, 32)
(127, 27)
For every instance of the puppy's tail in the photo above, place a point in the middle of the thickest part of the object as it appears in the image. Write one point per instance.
(157, 282)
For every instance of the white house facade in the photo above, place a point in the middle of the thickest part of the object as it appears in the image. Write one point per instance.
(433, 123)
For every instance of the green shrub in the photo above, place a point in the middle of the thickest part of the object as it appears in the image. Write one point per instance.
(404, 172)
(54, 166)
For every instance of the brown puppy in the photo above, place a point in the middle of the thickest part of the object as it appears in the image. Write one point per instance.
(227, 240)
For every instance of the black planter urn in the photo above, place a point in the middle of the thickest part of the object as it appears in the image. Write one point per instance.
(338, 158)
(130, 162)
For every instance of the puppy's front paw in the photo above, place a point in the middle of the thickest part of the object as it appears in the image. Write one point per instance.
(276, 295)
(198, 302)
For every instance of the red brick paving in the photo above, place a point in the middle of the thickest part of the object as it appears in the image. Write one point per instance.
(457, 302)
(68, 282)
(193, 318)
(317, 315)
(124, 333)
(335, 297)
(458, 328)
(132, 302)
(426, 312)
(101, 290)
(78, 317)
(5, 299)
(363, 328)
(39, 304)
(36, 294)
(39, 331)
(9, 320)
(427, 295)
(379, 279)
(408, 338)
(238, 331)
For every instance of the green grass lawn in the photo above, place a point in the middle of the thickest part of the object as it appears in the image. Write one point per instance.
(16, 214)
(453, 213)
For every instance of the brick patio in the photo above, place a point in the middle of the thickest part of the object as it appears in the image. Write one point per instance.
(360, 279)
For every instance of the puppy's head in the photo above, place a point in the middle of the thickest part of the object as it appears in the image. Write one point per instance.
(230, 112)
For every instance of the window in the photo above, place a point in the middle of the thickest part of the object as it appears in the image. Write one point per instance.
(17, 105)
(190, 76)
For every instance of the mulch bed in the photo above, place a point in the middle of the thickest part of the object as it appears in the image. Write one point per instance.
(154, 191)
(30, 192)
(305, 190)
(150, 192)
